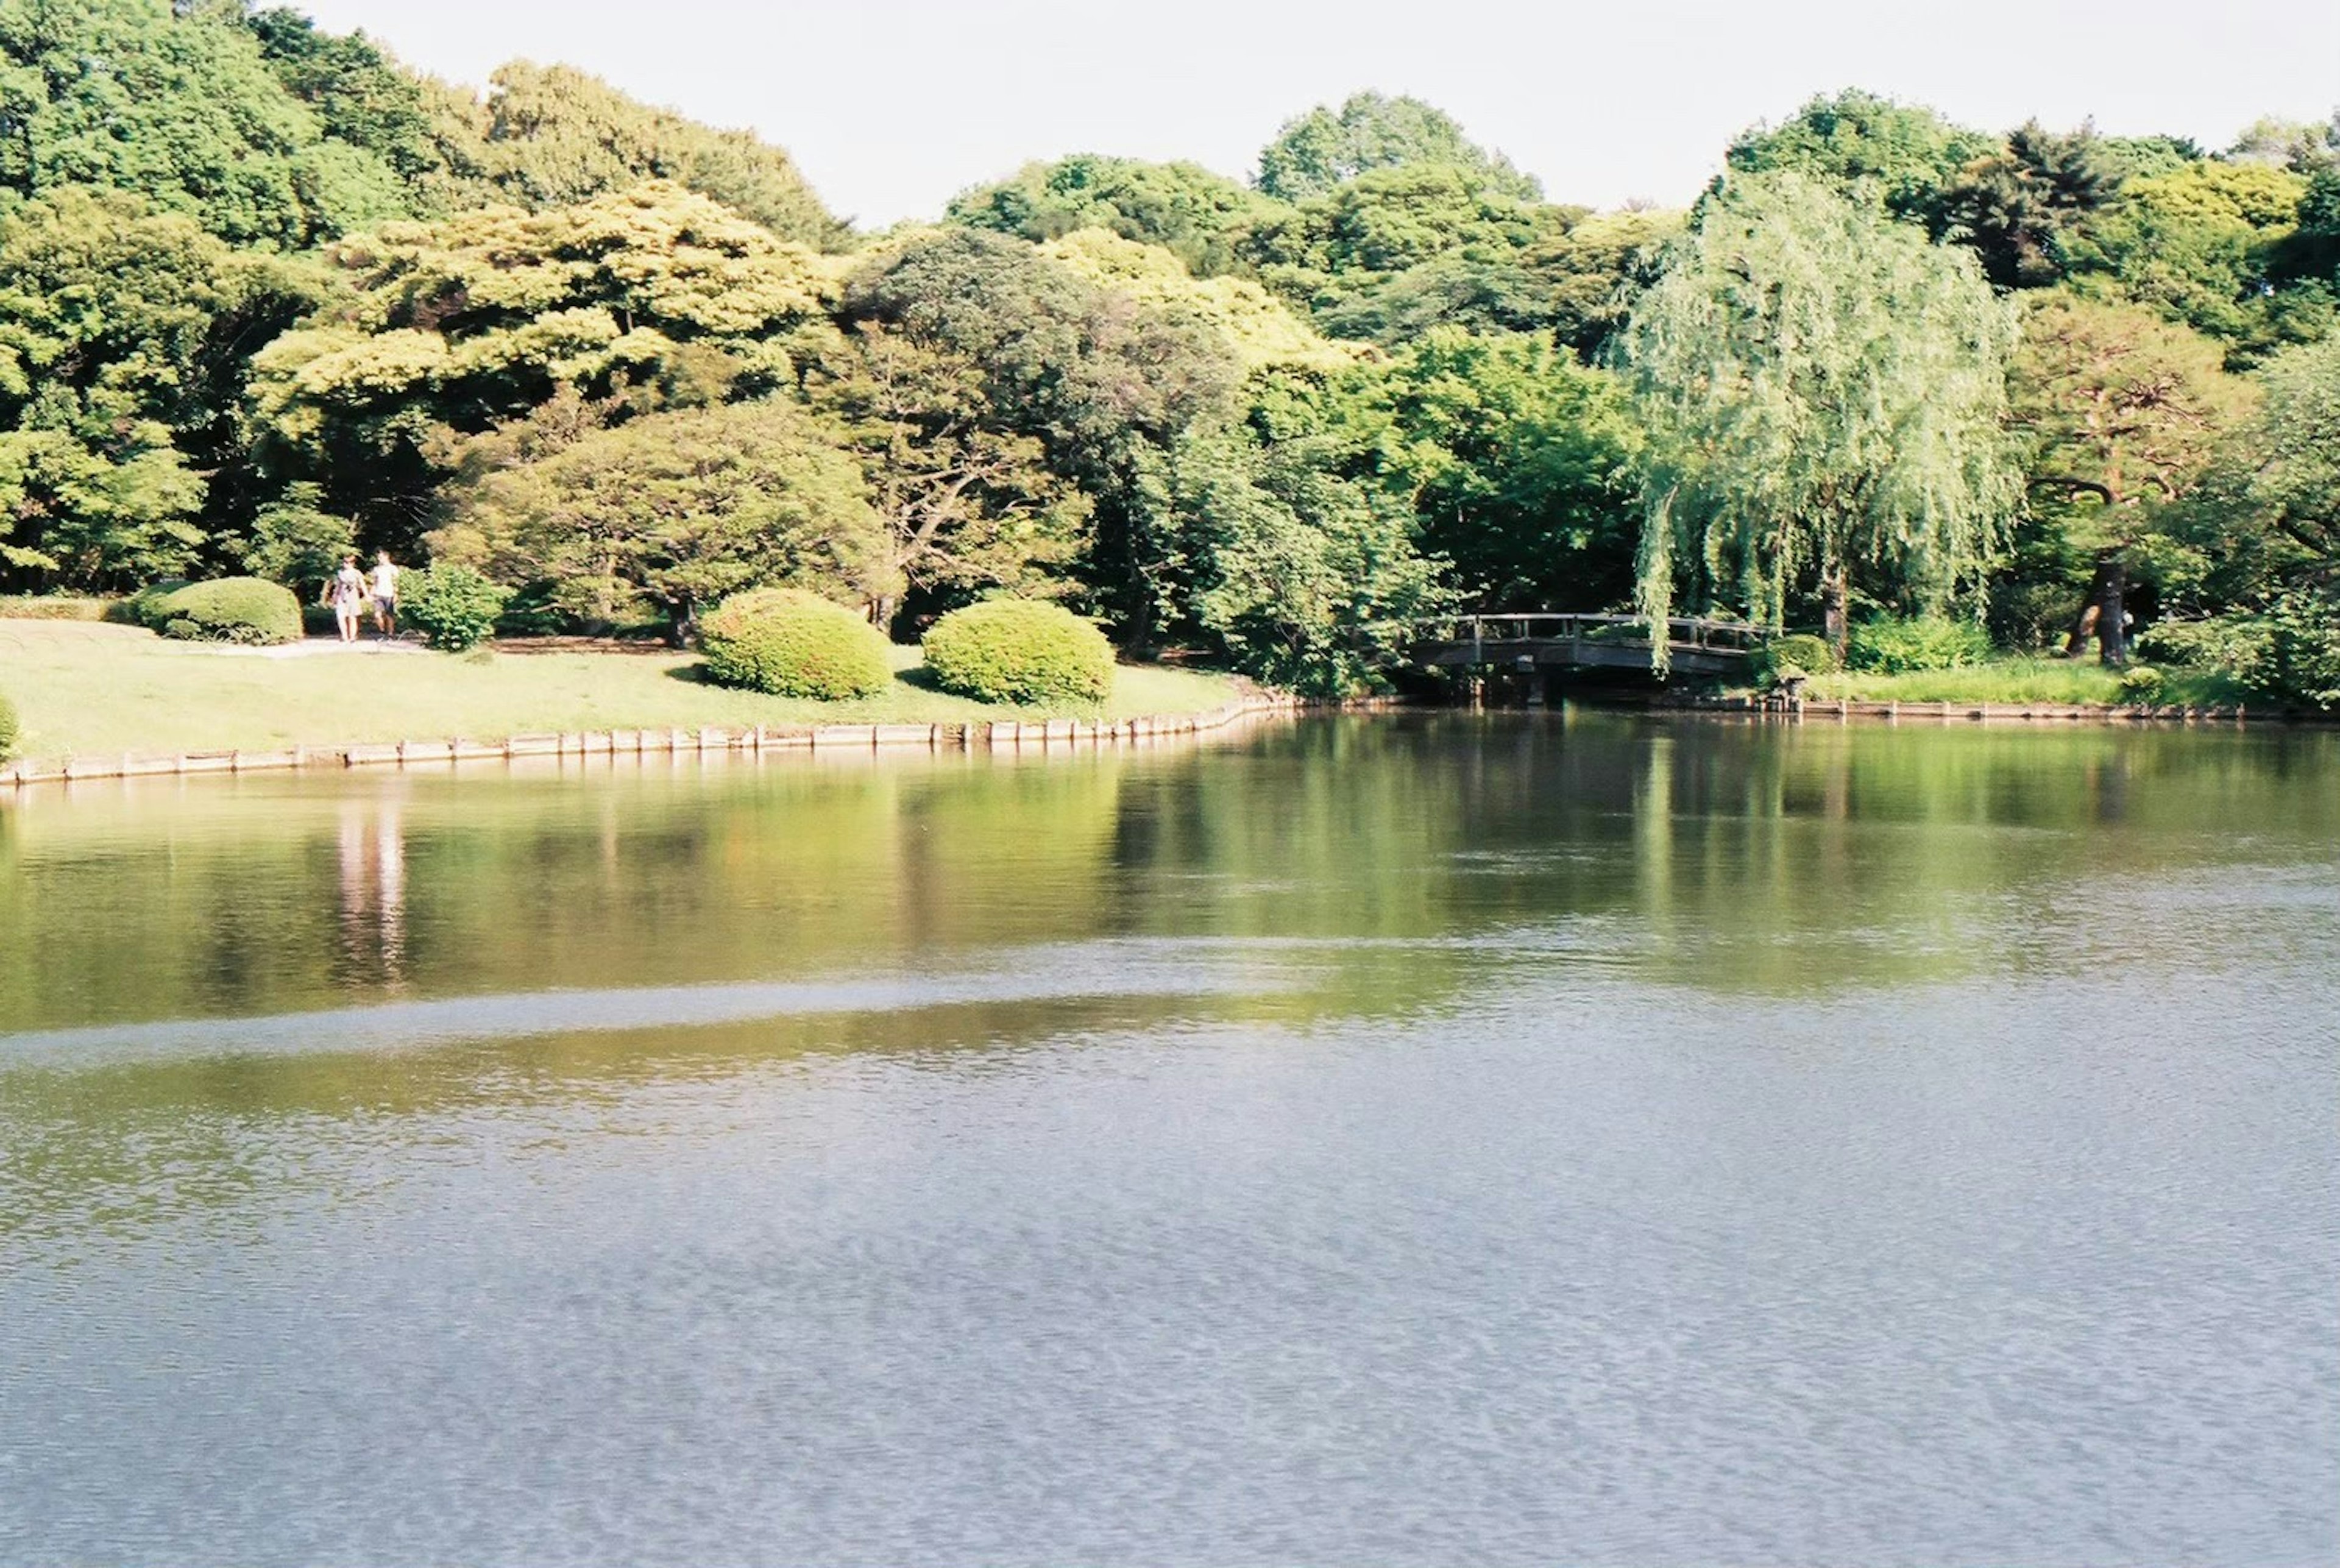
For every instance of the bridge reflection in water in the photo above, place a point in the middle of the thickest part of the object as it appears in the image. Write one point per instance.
(1542, 641)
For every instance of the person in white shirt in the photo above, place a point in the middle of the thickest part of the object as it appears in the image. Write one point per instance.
(385, 595)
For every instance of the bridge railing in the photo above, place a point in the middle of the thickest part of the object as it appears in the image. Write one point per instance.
(1682, 631)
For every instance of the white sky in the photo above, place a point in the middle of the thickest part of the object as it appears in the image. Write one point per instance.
(891, 106)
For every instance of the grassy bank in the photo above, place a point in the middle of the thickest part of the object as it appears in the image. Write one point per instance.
(89, 689)
(2063, 682)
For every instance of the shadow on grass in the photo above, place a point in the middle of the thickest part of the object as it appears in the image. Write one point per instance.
(918, 678)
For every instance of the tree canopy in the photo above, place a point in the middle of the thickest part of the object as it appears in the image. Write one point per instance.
(1327, 147)
(267, 293)
(1823, 390)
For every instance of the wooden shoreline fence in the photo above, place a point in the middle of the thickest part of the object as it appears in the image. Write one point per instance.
(1000, 735)
(1974, 713)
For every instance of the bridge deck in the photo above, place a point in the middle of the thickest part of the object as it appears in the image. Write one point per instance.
(1694, 647)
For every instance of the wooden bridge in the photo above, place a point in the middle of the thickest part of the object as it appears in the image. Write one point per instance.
(1543, 641)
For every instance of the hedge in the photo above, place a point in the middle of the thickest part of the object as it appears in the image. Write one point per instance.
(794, 644)
(55, 607)
(245, 610)
(1019, 651)
(9, 728)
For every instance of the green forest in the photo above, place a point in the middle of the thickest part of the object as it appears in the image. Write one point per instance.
(267, 295)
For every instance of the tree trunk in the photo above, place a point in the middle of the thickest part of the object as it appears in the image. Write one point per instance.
(2112, 618)
(2104, 614)
(683, 612)
(1836, 622)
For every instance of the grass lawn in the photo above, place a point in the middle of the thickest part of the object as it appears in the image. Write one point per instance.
(2017, 680)
(86, 689)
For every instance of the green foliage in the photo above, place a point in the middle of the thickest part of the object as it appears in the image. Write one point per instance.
(2120, 413)
(121, 335)
(967, 502)
(1798, 653)
(179, 105)
(1900, 645)
(1200, 217)
(144, 608)
(1824, 392)
(452, 606)
(652, 297)
(1102, 384)
(1326, 148)
(10, 727)
(1521, 465)
(1019, 651)
(2024, 208)
(673, 512)
(794, 644)
(1401, 248)
(556, 136)
(2197, 245)
(2142, 684)
(1304, 570)
(295, 544)
(265, 294)
(1260, 328)
(247, 609)
(1902, 153)
(2287, 650)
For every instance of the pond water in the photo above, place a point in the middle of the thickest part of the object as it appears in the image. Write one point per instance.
(1425, 1139)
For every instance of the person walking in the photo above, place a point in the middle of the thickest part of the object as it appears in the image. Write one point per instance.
(385, 594)
(346, 593)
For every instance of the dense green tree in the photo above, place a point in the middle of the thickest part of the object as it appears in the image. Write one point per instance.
(2197, 245)
(2266, 512)
(123, 337)
(554, 137)
(1260, 329)
(672, 511)
(1101, 382)
(1326, 148)
(1397, 251)
(296, 542)
(2021, 207)
(1593, 269)
(1823, 390)
(1292, 552)
(1200, 217)
(358, 94)
(182, 109)
(1906, 154)
(2121, 411)
(969, 501)
(1520, 461)
(480, 318)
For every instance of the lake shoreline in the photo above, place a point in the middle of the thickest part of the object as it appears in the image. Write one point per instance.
(992, 735)
(1845, 710)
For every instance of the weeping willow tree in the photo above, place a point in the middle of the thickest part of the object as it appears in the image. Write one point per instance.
(1824, 394)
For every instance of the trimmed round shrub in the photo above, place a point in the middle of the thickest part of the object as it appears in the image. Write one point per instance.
(1797, 654)
(794, 644)
(143, 608)
(247, 610)
(452, 606)
(1021, 651)
(9, 728)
